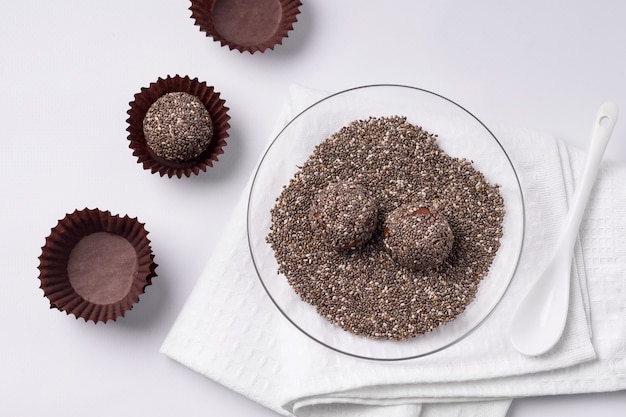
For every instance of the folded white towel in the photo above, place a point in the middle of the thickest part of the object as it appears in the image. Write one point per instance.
(230, 331)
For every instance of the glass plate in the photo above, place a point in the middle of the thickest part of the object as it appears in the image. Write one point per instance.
(460, 134)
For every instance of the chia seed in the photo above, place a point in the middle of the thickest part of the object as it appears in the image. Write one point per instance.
(364, 291)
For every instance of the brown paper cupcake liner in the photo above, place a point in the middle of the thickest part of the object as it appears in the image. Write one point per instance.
(214, 105)
(246, 25)
(95, 265)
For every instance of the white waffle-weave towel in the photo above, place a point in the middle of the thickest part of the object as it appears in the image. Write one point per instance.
(231, 332)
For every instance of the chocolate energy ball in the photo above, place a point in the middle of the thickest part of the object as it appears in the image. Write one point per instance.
(178, 127)
(344, 215)
(417, 236)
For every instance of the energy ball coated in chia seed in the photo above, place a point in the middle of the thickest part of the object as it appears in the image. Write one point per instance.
(417, 236)
(178, 127)
(344, 215)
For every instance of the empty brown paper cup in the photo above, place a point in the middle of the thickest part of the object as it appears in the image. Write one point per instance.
(212, 102)
(95, 265)
(246, 25)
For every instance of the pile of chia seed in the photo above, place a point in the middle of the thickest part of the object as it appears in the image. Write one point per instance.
(364, 291)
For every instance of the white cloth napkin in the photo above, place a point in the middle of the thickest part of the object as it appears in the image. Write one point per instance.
(230, 331)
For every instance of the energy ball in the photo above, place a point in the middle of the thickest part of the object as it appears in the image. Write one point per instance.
(343, 215)
(177, 127)
(417, 236)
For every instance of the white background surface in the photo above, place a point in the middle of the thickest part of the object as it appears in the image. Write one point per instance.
(68, 70)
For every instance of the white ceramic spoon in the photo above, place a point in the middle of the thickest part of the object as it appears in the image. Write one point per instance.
(540, 318)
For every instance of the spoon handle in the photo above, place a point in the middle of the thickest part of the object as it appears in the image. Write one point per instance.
(602, 129)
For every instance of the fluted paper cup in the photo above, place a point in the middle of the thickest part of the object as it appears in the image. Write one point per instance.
(246, 25)
(95, 265)
(212, 102)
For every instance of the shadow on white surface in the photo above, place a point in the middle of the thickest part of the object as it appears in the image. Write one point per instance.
(570, 405)
(151, 309)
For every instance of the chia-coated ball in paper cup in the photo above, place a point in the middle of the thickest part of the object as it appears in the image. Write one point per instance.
(149, 96)
(95, 265)
(246, 25)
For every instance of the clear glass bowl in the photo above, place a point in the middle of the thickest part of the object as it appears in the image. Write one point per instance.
(460, 134)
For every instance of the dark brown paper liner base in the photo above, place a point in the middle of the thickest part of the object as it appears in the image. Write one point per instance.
(53, 262)
(214, 105)
(203, 12)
